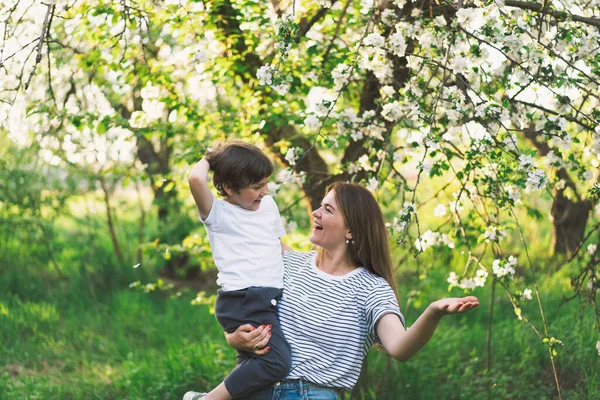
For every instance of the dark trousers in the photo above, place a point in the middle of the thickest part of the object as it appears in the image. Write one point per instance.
(256, 306)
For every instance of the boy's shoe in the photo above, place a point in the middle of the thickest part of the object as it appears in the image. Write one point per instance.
(194, 396)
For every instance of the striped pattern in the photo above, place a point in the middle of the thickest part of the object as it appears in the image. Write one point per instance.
(329, 321)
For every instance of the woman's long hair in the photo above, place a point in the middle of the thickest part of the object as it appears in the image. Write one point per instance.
(363, 217)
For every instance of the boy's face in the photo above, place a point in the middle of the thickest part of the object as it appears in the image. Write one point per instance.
(249, 197)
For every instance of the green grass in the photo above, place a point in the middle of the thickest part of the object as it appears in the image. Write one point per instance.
(126, 345)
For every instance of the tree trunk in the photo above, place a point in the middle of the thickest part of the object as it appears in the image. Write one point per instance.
(109, 220)
(569, 217)
(569, 222)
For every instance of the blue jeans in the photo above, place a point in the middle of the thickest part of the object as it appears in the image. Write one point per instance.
(293, 390)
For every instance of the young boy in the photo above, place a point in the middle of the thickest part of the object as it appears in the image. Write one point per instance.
(244, 231)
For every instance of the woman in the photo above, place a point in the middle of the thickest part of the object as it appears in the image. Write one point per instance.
(340, 300)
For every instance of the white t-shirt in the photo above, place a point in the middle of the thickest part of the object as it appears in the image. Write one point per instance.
(245, 244)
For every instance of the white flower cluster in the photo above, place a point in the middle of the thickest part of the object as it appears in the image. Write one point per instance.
(292, 155)
(494, 234)
(268, 74)
(469, 283)
(552, 159)
(312, 122)
(152, 107)
(513, 193)
(388, 17)
(525, 162)
(399, 224)
(440, 210)
(592, 248)
(430, 238)
(373, 185)
(536, 180)
(397, 44)
(502, 268)
(527, 294)
(341, 75)
(511, 142)
(392, 111)
(285, 177)
(374, 39)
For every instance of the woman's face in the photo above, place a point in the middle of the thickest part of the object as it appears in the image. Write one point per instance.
(329, 229)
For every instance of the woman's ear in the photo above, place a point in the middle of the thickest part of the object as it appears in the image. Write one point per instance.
(349, 235)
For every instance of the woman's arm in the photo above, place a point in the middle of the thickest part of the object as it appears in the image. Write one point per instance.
(250, 339)
(403, 344)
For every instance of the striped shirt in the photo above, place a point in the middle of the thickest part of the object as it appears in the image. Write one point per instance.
(329, 321)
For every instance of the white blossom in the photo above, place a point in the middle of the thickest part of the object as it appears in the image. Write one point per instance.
(511, 142)
(440, 210)
(452, 279)
(513, 193)
(282, 88)
(440, 21)
(312, 122)
(340, 76)
(525, 162)
(493, 234)
(592, 248)
(391, 111)
(291, 157)
(139, 119)
(374, 39)
(536, 180)
(527, 294)
(502, 268)
(552, 159)
(388, 91)
(598, 347)
(480, 277)
(356, 135)
(397, 44)
(365, 163)
(398, 156)
(388, 17)
(373, 185)
(265, 74)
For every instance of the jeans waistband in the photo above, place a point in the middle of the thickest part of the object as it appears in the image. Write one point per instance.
(299, 384)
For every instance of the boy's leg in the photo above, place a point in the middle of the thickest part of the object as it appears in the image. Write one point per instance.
(258, 306)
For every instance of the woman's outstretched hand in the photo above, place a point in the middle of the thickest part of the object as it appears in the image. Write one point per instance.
(454, 305)
(250, 339)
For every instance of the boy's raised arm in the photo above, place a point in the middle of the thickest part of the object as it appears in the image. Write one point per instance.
(198, 180)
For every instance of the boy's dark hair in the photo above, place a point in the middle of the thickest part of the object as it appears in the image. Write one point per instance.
(237, 165)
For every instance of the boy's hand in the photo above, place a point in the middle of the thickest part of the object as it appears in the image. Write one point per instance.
(454, 305)
(205, 163)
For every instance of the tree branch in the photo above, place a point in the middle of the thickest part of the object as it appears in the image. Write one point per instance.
(560, 15)
(45, 30)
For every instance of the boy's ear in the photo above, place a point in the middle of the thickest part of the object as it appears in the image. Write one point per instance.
(228, 190)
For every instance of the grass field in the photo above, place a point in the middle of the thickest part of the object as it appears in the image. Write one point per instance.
(87, 335)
